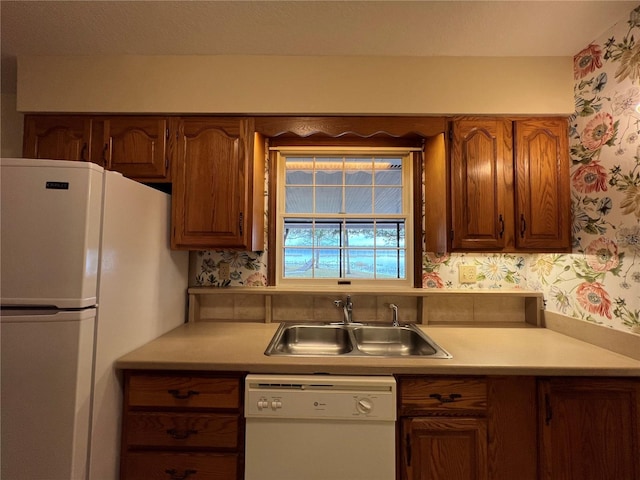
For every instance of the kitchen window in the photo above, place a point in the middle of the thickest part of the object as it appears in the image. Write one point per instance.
(344, 216)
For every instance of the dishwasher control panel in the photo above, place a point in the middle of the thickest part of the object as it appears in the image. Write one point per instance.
(320, 396)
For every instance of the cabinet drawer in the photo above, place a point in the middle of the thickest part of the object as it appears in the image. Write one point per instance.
(443, 396)
(182, 430)
(178, 466)
(183, 391)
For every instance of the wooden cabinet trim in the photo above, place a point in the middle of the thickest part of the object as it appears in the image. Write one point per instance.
(363, 127)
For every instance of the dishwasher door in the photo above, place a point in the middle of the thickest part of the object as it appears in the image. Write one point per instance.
(320, 427)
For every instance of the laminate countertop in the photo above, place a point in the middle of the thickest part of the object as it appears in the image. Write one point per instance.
(239, 347)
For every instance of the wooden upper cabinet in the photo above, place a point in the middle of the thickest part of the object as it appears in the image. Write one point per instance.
(137, 147)
(216, 185)
(58, 137)
(481, 184)
(510, 185)
(543, 204)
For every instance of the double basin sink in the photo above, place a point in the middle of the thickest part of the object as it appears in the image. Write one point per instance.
(362, 340)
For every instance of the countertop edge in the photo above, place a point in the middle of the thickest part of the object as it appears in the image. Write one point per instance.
(211, 346)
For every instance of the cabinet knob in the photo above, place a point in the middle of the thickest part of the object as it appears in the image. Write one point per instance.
(523, 225)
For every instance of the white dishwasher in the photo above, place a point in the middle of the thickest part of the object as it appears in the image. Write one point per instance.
(320, 427)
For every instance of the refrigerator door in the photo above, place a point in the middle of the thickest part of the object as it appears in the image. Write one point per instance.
(141, 295)
(45, 392)
(50, 215)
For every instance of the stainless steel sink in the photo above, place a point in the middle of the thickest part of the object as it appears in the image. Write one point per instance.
(314, 339)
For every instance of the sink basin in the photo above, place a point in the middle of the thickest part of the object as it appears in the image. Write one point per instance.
(313, 339)
(392, 341)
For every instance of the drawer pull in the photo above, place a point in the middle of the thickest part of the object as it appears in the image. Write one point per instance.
(181, 434)
(451, 398)
(173, 474)
(182, 396)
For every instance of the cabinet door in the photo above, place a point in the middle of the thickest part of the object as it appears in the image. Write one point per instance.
(212, 184)
(439, 448)
(59, 137)
(481, 184)
(543, 203)
(590, 429)
(137, 147)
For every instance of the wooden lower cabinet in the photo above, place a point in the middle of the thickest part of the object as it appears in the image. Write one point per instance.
(467, 428)
(182, 425)
(190, 426)
(590, 428)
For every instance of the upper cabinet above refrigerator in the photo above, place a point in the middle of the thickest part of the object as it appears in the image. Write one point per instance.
(139, 147)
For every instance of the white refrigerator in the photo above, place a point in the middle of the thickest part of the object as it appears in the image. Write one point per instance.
(86, 275)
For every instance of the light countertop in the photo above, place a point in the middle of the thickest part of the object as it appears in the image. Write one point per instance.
(237, 346)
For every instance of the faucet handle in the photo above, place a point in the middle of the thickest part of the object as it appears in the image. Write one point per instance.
(338, 303)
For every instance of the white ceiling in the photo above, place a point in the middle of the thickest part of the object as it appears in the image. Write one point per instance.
(302, 27)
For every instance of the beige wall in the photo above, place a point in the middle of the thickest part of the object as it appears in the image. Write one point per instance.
(302, 85)
(11, 126)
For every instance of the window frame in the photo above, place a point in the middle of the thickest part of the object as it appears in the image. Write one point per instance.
(277, 205)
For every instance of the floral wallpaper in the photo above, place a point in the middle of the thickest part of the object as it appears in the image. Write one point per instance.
(245, 269)
(599, 281)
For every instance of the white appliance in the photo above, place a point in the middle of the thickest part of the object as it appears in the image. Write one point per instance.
(86, 276)
(320, 427)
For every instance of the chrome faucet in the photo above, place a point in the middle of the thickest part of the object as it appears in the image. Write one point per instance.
(347, 309)
(394, 317)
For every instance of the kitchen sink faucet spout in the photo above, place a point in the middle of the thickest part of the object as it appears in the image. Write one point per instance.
(394, 318)
(347, 309)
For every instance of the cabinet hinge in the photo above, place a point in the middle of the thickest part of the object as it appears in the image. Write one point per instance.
(548, 413)
(451, 234)
(167, 134)
(451, 134)
(240, 221)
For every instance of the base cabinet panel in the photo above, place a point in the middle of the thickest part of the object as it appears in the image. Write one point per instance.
(445, 448)
(590, 429)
